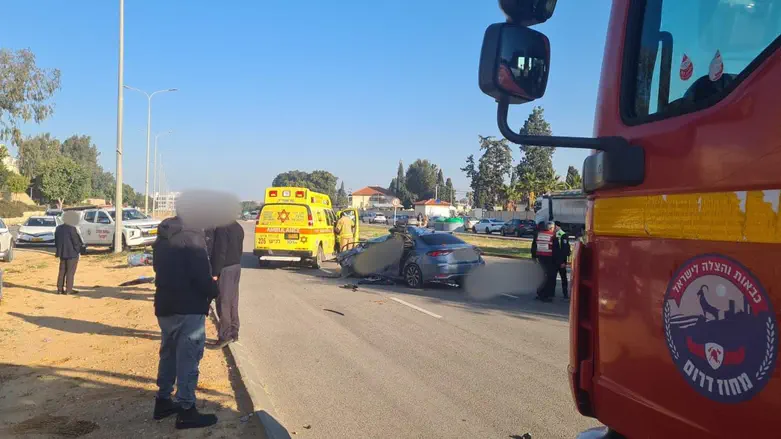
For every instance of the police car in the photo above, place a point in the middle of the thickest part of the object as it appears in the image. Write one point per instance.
(97, 227)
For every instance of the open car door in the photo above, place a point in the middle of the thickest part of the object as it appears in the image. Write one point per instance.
(352, 213)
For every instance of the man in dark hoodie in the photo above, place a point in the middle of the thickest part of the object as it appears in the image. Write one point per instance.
(67, 247)
(226, 249)
(184, 290)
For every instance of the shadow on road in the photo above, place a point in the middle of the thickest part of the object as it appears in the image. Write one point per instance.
(66, 402)
(77, 326)
(95, 292)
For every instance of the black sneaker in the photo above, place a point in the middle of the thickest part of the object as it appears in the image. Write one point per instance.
(165, 408)
(190, 418)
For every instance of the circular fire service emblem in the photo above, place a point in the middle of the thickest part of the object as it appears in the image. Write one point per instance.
(720, 327)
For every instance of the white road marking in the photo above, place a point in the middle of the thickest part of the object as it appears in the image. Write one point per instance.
(417, 308)
(510, 296)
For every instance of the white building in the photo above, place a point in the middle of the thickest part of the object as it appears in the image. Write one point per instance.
(165, 202)
(434, 208)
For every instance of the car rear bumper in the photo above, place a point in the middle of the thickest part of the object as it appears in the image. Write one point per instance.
(448, 272)
(282, 255)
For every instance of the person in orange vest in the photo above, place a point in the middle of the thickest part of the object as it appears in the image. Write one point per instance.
(545, 249)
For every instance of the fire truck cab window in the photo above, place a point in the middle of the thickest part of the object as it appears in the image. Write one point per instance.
(689, 54)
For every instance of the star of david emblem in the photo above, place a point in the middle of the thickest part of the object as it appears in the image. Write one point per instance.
(283, 216)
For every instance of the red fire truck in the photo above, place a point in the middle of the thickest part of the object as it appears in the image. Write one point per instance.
(677, 283)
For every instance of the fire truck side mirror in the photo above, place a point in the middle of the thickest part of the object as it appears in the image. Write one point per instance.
(514, 63)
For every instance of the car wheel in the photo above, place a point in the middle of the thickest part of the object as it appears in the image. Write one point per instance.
(518, 233)
(487, 231)
(263, 264)
(474, 230)
(317, 263)
(413, 277)
(10, 255)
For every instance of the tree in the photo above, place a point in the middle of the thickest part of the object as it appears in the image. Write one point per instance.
(319, 181)
(398, 187)
(323, 182)
(535, 171)
(82, 151)
(341, 197)
(17, 183)
(103, 184)
(494, 169)
(33, 152)
(450, 192)
(476, 197)
(573, 179)
(440, 192)
(25, 90)
(248, 206)
(64, 181)
(421, 179)
(291, 178)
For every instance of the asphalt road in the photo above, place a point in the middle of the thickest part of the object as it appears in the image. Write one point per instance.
(388, 361)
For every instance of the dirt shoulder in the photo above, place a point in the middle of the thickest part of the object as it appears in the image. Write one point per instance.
(85, 365)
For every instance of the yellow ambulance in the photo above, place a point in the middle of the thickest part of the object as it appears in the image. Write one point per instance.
(297, 224)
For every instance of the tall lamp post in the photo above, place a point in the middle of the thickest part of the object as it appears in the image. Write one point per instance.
(120, 102)
(154, 170)
(148, 136)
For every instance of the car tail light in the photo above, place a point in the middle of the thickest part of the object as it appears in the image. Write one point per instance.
(273, 193)
(311, 220)
(437, 253)
(299, 194)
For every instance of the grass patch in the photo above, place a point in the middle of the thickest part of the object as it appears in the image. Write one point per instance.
(514, 248)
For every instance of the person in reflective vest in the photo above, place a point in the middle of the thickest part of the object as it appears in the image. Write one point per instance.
(344, 232)
(561, 268)
(545, 249)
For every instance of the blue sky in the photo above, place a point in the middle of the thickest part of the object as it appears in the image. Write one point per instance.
(348, 86)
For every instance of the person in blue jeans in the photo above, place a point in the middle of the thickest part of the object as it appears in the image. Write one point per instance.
(184, 290)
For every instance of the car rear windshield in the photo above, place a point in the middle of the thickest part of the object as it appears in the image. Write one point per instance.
(41, 222)
(440, 239)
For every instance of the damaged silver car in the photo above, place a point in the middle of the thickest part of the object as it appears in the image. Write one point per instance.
(414, 256)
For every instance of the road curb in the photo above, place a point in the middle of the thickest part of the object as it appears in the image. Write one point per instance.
(261, 403)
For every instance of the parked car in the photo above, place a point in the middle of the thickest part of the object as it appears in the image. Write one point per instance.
(6, 243)
(518, 227)
(97, 228)
(428, 257)
(53, 212)
(367, 217)
(469, 222)
(488, 226)
(38, 230)
(379, 219)
(401, 220)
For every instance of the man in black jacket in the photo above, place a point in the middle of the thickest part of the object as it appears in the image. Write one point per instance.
(67, 244)
(227, 247)
(184, 290)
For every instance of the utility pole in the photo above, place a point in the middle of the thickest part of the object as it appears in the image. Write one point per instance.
(120, 103)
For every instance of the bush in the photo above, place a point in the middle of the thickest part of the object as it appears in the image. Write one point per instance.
(14, 209)
(17, 183)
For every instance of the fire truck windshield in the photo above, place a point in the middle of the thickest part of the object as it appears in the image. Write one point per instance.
(690, 51)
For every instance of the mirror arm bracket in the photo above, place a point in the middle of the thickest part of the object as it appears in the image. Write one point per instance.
(599, 143)
(617, 164)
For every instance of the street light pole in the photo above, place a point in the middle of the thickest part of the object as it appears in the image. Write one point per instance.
(120, 102)
(154, 172)
(148, 136)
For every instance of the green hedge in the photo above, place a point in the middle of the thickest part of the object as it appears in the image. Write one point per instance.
(15, 209)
